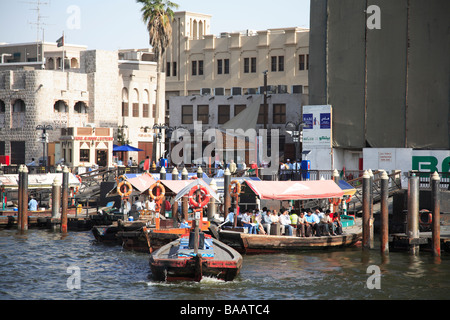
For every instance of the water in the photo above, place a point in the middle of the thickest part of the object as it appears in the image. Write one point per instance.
(34, 266)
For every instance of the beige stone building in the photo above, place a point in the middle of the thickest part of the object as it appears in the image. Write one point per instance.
(98, 89)
(198, 62)
(212, 78)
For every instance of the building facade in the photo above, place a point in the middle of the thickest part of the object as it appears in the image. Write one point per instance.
(212, 78)
(99, 89)
(384, 70)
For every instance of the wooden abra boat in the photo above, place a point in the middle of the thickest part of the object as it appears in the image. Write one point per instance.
(178, 260)
(195, 254)
(257, 243)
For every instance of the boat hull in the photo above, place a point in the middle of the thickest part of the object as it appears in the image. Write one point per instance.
(256, 243)
(167, 267)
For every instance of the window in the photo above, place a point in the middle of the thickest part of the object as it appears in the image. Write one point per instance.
(273, 64)
(174, 71)
(18, 114)
(223, 66)
(197, 67)
(203, 113)
(249, 65)
(219, 66)
(224, 114)
(226, 66)
(279, 113)
(297, 89)
(2, 117)
(194, 68)
(236, 91)
(246, 65)
(277, 63)
(262, 113)
(136, 110)
(80, 107)
(145, 110)
(84, 155)
(200, 67)
(124, 109)
(187, 116)
(239, 108)
(281, 63)
(168, 69)
(303, 62)
(253, 65)
(60, 106)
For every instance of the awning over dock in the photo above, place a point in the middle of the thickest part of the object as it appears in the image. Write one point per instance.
(295, 190)
(346, 187)
(36, 181)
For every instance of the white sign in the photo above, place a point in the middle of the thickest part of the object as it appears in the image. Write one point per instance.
(317, 127)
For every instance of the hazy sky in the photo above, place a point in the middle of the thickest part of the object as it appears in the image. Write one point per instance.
(117, 24)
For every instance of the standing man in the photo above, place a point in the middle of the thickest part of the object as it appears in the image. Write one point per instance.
(32, 204)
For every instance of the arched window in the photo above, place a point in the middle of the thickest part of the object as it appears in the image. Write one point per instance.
(74, 63)
(60, 106)
(125, 102)
(146, 104)
(80, 107)
(135, 101)
(18, 114)
(50, 64)
(200, 29)
(195, 30)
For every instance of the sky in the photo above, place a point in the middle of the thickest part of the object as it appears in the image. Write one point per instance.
(117, 24)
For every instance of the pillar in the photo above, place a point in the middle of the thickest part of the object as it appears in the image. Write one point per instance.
(436, 214)
(384, 234)
(412, 229)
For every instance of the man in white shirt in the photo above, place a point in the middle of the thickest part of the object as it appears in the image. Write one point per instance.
(285, 221)
(246, 221)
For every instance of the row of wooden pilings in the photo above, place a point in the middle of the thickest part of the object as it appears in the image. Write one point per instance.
(412, 226)
(60, 197)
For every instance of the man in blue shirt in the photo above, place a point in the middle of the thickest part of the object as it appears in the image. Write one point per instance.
(32, 204)
(312, 224)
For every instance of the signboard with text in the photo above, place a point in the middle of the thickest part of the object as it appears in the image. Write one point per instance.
(317, 127)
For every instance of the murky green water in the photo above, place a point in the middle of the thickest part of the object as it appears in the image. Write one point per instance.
(34, 266)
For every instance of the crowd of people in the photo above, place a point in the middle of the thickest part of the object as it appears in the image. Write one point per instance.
(307, 223)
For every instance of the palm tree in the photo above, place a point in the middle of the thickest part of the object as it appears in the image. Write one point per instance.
(158, 15)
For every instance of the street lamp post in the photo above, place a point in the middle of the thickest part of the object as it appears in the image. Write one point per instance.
(296, 133)
(160, 128)
(44, 140)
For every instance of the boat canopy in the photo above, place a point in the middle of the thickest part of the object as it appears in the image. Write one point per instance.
(182, 187)
(36, 181)
(295, 190)
(346, 187)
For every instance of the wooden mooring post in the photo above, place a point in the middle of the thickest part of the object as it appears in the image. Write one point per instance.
(366, 211)
(412, 229)
(226, 191)
(436, 214)
(24, 222)
(384, 234)
(185, 199)
(64, 199)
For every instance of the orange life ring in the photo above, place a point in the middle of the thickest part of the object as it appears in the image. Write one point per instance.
(204, 197)
(424, 213)
(234, 188)
(161, 189)
(126, 184)
(349, 199)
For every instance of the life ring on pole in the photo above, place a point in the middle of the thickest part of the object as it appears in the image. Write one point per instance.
(204, 198)
(349, 199)
(161, 188)
(425, 214)
(234, 188)
(129, 188)
(121, 178)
